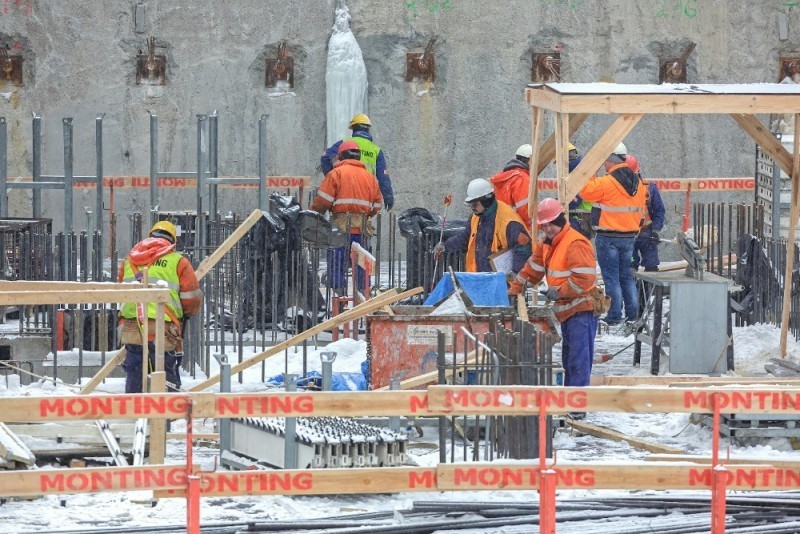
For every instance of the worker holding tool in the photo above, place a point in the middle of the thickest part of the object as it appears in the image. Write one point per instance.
(371, 156)
(511, 185)
(448, 199)
(566, 259)
(494, 227)
(645, 247)
(164, 266)
(620, 198)
(352, 195)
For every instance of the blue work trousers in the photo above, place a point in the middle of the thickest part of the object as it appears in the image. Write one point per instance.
(133, 367)
(577, 348)
(338, 262)
(645, 253)
(614, 256)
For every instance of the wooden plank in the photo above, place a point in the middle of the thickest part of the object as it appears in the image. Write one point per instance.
(793, 214)
(26, 285)
(598, 154)
(92, 296)
(431, 376)
(793, 463)
(158, 427)
(537, 161)
(609, 433)
(561, 132)
(630, 475)
(522, 307)
(115, 359)
(789, 365)
(691, 380)
(12, 448)
(670, 104)
(359, 311)
(91, 480)
(210, 261)
(210, 436)
(756, 130)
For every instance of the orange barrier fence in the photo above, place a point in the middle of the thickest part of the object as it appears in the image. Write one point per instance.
(189, 483)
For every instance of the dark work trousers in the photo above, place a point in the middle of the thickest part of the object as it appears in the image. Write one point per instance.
(577, 348)
(133, 367)
(339, 261)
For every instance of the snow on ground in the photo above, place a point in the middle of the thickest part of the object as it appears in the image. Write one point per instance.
(754, 346)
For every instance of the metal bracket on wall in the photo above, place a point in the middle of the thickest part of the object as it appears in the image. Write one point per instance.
(673, 70)
(151, 68)
(422, 66)
(789, 67)
(546, 67)
(280, 68)
(12, 66)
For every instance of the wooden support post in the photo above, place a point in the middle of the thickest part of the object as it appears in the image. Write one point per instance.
(547, 477)
(158, 427)
(562, 158)
(548, 148)
(192, 480)
(210, 261)
(159, 339)
(793, 212)
(533, 190)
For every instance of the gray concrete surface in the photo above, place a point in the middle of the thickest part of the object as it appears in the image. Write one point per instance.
(80, 61)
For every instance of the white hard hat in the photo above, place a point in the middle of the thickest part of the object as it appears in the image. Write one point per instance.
(621, 150)
(478, 188)
(525, 151)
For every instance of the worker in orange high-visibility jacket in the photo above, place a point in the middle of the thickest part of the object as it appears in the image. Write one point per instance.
(618, 199)
(352, 196)
(566, 259)
(513, 183)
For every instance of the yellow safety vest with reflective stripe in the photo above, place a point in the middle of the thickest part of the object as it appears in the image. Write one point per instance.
(504, 215)
(164, 269)
(369, 153)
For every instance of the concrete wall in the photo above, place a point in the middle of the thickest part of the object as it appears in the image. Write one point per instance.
(80, 61)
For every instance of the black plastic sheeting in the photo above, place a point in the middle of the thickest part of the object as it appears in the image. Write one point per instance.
(422, 229)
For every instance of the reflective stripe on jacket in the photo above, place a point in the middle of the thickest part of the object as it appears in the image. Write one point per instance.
(620, 200)
(504, 216)
(165, 270)
(348, 188)
(369, 152)
(568, 263)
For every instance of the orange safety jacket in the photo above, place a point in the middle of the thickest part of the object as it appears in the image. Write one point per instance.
(505, 215)
(512, 187)
(349, 189)
(620, 196)
(569, 264)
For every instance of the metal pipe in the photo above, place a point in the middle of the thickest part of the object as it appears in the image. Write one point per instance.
(262, 163)
(98, 220)
(212, 160)
(3, 167)
(153, 167)
(36, 153)
(68, 179)
(327, 359)
(290, 448)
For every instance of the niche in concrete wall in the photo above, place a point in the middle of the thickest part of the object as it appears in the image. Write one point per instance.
(675, 69)
(151, 68)
(545, 67)
(421, 66)
(280, 68)
(12, 59)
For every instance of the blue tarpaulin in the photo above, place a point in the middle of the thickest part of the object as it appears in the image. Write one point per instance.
(484, 289)
(339, 381)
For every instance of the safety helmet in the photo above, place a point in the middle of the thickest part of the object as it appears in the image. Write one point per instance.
(360, 119)
(621, 150)
(478, 188)
(633, 163)
(164, 229)
(570, 146)
(525, 151)
(549, 210)
(347, 146)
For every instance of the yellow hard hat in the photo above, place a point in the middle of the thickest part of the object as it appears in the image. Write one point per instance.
(570, 146)
(164, 227)
(360, 119)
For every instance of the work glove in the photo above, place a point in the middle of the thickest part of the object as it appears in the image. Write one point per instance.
(438, 250)
(515, 287)
(552, 293)
(655, 236)
(388, 203)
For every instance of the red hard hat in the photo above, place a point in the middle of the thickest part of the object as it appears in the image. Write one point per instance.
(549, 210)
(633, 163)
(348, 145)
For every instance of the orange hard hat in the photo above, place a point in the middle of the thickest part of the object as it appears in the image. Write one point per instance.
(348, 145)
(633, 163)
(549, 210)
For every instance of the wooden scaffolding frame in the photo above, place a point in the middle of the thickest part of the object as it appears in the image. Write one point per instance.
(572, 103)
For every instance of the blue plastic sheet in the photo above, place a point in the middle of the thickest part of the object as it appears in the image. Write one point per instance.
(484, 289)
(339, 381)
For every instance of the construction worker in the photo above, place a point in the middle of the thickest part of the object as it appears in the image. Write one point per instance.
(494, 227)
(645, 247)
(580, 211)
(620, 199)
(371, 155)
(157, 254)
(352, 195)
(566, 258)
(512, 184)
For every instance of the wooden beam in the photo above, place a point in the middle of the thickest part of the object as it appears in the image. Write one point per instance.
(92, 296)
(210, 261)
(548, 149)
(210, 436)
(561, 133)
(669, 104)
(25, 285)
(690, 381)
(793, 464)
(609, 433)
(158, 427)
(793, 213)
(359, 311)
(536, 162)
(763, 138)
(599, 153)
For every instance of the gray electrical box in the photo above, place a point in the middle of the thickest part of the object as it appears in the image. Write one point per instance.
(698, 327)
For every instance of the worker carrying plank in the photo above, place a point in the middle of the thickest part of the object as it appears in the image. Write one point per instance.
(157, 254)
(566, 258)
(494, 227)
